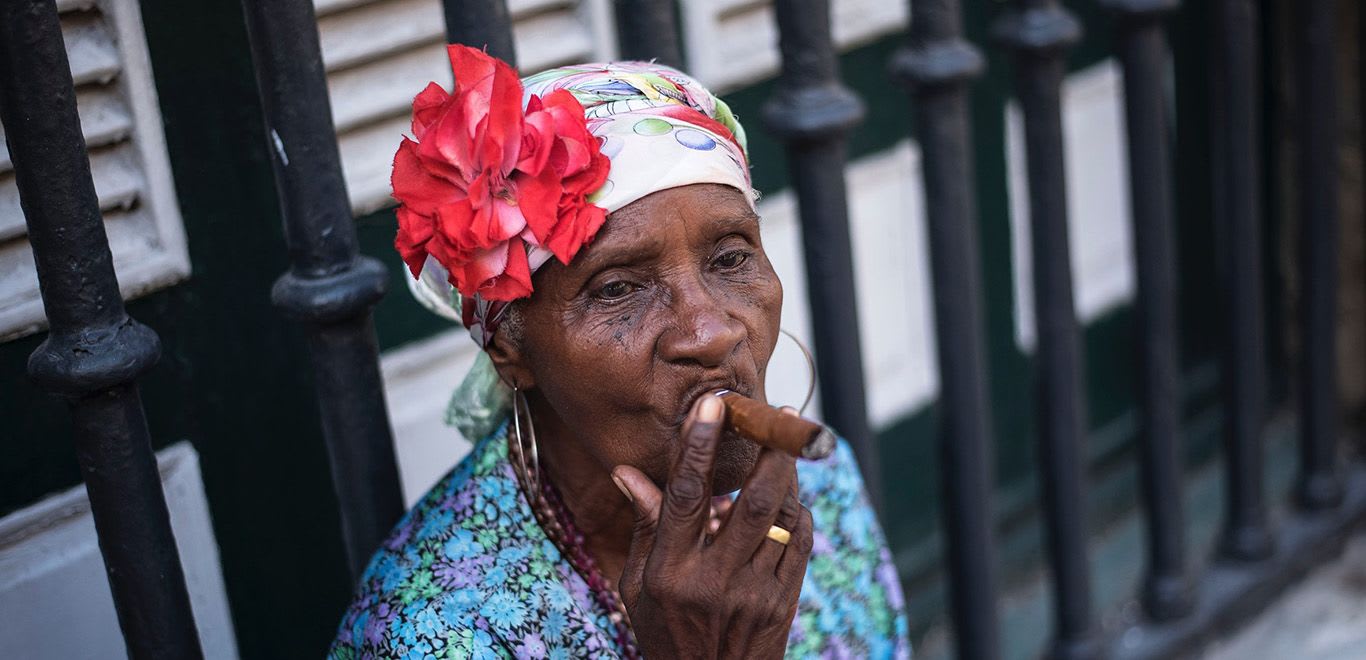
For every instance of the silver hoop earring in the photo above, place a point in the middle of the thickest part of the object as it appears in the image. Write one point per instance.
(810, 369)
(532, 472)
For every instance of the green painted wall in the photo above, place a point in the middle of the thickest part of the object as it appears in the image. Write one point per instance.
(234, 381)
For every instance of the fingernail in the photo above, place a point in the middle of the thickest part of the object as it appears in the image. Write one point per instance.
(624, 490)
(710, 410)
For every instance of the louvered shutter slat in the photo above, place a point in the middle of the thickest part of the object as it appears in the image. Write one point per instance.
(116, 102)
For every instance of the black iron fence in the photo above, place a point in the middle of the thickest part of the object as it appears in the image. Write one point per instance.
(94, 352)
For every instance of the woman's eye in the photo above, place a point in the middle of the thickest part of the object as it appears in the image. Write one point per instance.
(732, 260)
(613, 290)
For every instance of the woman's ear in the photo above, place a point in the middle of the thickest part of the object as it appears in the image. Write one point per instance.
(507, 357)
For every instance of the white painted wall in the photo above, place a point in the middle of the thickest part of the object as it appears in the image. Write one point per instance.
(1098, 212)
(54, 595)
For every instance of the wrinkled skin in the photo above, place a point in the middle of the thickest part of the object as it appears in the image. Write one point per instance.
(674, 299)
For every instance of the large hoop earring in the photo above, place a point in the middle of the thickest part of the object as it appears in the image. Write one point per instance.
(810, 369)
(532, 472)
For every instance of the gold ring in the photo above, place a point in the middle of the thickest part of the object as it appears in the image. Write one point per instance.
(779, 534)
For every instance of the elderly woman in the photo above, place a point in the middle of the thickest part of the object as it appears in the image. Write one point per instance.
(597, 514)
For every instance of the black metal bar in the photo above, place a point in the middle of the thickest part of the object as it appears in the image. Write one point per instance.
(1234, 102)
(1318, 487)
(938, 65)
(1166, 591)
(94, 352)
(329, 287)
(481, 24)
(1039, 31)
(647, 29)
(812, 112)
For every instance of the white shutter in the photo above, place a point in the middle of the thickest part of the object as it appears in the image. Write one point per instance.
(122, 127)
(381, 53)
(731, 43)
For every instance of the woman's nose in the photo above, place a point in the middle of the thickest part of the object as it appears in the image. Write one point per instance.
(703, 332)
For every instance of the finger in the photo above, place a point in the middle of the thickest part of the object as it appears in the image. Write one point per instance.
(687, 495)
(645, 499)
(757, 507)
(770, 551)
(720, 508)
(791, 569)
(789, 410)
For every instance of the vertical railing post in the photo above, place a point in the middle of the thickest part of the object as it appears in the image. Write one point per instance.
(938, 65)
(481, 24)
(647, 29)
(1039, 31)
(1166, 590)
(329, 287)
(1319, 487)
(812, 112)
(94, 352)
(1234, 103)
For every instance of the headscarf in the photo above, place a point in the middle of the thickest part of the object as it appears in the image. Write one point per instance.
(660, 129)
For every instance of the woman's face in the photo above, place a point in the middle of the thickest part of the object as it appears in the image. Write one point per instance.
(674, 298)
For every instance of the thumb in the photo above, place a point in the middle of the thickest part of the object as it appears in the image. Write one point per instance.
(645, 499)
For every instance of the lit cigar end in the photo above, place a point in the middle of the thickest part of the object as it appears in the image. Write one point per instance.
(821, 446)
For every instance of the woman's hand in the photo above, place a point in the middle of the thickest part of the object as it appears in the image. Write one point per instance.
(734, 594)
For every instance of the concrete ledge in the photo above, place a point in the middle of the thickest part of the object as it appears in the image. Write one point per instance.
(54, 595)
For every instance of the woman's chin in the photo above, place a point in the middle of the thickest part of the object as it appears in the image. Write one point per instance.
(735, 458)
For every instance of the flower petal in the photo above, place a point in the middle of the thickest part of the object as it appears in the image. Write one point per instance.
(427, 107)
(414, 231)
(539, 197)
(515, 280)
(508, 220)
(414, 186)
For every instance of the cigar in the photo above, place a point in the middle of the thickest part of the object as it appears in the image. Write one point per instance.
(772, 427)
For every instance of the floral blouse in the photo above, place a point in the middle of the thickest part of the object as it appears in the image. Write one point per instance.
(468, 573)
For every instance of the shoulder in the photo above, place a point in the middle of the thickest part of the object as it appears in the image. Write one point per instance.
(832, 488)
(467, 571)
(422, 590)
(851, 600)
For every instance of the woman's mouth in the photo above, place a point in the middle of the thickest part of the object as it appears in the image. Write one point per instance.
(710, 387)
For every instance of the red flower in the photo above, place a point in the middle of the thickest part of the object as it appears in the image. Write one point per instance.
(482, 180)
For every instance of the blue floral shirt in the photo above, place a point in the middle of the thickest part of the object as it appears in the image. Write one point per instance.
(468, 573)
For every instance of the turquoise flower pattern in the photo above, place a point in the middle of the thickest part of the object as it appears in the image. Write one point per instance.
(469, 573)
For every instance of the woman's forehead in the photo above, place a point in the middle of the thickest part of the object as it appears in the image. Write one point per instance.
(670, 217)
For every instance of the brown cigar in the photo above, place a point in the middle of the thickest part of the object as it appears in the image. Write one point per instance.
(772, 427)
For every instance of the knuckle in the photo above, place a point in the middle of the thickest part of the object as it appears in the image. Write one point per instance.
(750, 601)
(645, 524)
(686, 494)
(696, 460)
(759, 506)
(803, 542)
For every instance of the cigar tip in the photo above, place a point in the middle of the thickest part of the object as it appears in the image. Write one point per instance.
(820, 446)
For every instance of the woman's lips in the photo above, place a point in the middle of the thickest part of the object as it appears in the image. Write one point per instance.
(707, 388)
